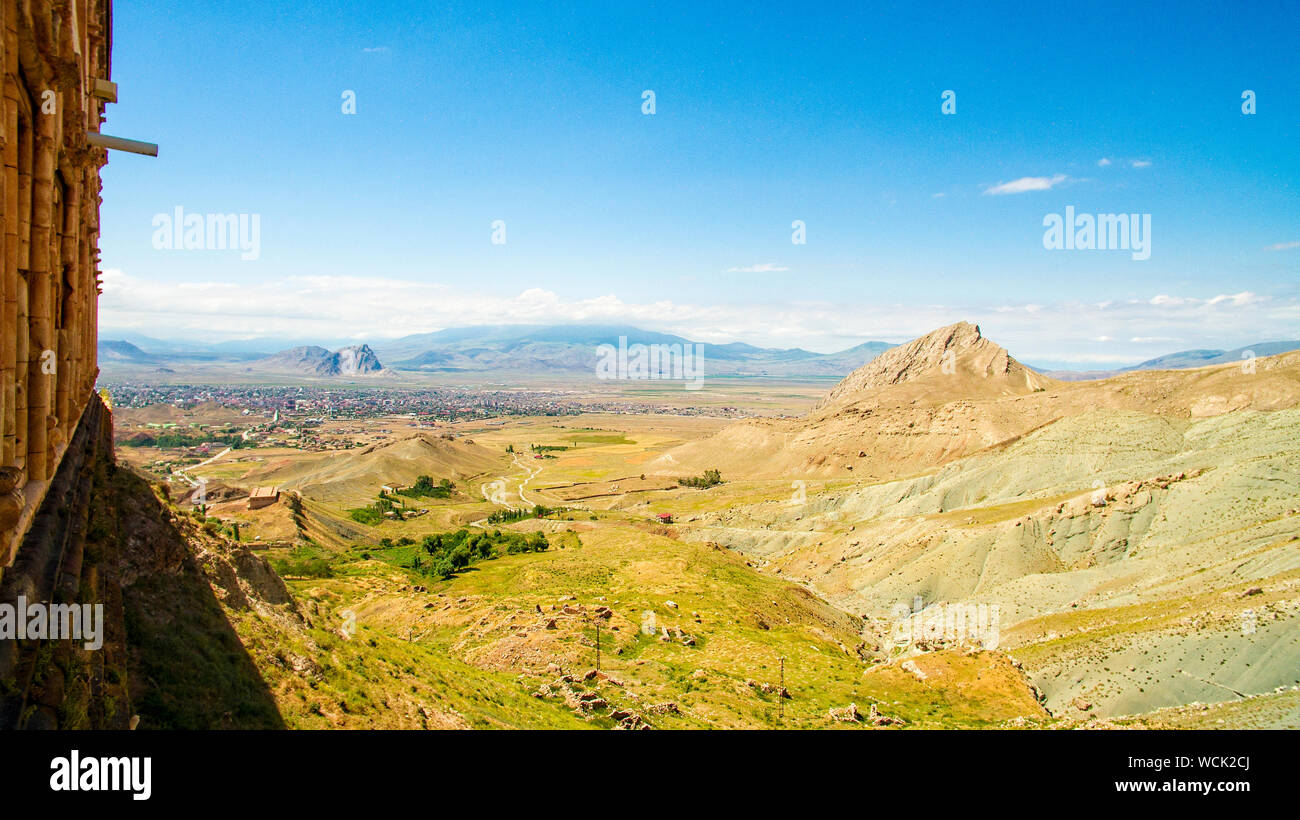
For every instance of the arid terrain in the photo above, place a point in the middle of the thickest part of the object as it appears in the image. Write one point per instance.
(1133, 543)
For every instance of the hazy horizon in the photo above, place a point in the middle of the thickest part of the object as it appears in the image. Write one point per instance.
(272, 344)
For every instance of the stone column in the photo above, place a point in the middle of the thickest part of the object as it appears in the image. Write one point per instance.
(72, 320)
(9, 320)
(40, 289)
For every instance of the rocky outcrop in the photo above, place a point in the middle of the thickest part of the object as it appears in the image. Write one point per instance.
(181, 587)
(958, 350)
(356, 360)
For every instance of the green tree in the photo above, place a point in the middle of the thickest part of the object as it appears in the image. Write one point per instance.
(433, 544)
(459, 558)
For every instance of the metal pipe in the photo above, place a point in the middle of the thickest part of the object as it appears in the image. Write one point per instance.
(120, 144)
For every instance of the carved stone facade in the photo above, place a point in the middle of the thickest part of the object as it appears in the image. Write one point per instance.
(53, 52)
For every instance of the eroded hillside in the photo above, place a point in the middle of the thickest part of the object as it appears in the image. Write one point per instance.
(616, 625)
(1139, 536)
(957, 394)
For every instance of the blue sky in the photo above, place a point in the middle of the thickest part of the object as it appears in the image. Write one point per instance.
(379, 223)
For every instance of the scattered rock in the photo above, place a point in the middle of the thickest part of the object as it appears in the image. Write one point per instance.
(848, 714)
(633, 722)
(875, 718)
(765, 688)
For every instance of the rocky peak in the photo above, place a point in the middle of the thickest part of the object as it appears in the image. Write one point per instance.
(317, 361)
(357, 359)
(958, 350)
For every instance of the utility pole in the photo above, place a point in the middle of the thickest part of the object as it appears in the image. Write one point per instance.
(780, 694)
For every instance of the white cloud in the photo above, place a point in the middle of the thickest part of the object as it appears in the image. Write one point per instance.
(1245, 297)
(1283, 246)
(1237, 299)
(1141, 163)
(1026, 184)
(1103, 162)
(766, 267)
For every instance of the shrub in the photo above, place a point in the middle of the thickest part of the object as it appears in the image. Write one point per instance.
(711, 478)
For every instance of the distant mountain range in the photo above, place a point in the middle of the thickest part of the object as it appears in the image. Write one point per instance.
(1201, 358)
(1181, 360)
(574, 348)
(558, 349)
(535, 349)
(306, 360)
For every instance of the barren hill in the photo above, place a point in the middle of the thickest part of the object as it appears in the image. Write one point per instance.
(1170, 546)
(953, 360)
(952, 393)
(355, 476)
(1139, 534)
(357, 360)
(208, 412)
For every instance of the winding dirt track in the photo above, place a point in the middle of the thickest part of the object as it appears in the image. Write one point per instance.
(523, 499)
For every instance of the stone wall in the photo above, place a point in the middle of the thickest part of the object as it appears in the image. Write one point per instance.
(53, 53)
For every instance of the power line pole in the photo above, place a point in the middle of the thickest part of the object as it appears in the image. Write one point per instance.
(780, 694)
